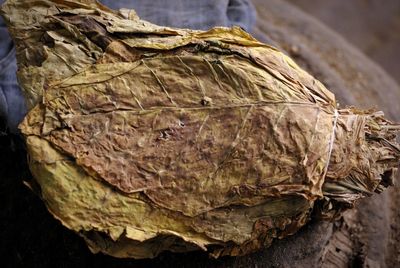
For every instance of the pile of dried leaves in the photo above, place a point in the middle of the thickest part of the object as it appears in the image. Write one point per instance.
(144, 138)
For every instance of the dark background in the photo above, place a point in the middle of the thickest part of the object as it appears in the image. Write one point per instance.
(373, 26)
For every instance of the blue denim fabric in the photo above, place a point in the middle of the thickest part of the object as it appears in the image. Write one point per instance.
(191, 14)
(12, 102)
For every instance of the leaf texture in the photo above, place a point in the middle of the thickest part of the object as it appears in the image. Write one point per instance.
(146, 138)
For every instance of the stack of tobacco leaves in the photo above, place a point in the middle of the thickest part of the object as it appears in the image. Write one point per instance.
(144, 138)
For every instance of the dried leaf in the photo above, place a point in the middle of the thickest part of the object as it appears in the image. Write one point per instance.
(146, 138)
